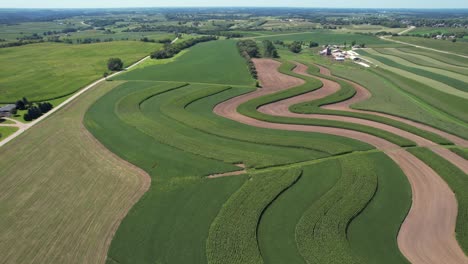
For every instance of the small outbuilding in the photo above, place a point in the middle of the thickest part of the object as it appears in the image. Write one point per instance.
(7, 110)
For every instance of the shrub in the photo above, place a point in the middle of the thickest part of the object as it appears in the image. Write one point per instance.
(114, 64)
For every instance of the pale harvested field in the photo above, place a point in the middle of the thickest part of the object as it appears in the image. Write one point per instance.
(63, 194)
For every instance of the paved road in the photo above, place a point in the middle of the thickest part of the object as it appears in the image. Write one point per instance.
(27, 126)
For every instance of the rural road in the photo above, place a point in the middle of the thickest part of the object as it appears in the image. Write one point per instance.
(407, 30)
(422, 47)
(25, 126)
(428, 232)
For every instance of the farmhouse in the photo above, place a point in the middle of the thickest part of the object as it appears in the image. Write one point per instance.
(7, 110)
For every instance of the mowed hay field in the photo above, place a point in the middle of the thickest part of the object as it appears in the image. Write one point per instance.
(50, 70)
(62, 193)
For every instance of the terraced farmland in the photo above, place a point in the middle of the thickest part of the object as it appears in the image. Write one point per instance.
(266, 175)
(324, 163)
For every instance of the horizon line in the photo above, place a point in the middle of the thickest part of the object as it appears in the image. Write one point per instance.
(285, 7)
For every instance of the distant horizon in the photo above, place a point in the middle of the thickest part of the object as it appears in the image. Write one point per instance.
(350, 4)
(227, 7)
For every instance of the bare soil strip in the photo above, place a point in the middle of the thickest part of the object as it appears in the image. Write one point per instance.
(428, 233)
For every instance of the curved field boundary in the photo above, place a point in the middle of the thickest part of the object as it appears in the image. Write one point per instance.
(452, 79)
(423, 47)
(445, 105)
(321, 101)
(363, 94)
(445, 58)
(423, 60)
(242, 213)
(434, 84)
(428, 233)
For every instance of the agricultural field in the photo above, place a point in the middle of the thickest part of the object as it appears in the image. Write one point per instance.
(444, 45)
(50, 70)
(235, 143)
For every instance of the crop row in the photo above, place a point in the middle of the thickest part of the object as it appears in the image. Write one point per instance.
(347, 91)
(250, 109)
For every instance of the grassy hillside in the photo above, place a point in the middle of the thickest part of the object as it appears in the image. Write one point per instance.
(445, 45)
(48, 70)
(211, 62)
(327, 37)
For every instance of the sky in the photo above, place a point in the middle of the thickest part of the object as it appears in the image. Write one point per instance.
(258, 3)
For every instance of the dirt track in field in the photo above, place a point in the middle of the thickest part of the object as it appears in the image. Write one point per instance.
(428, 233)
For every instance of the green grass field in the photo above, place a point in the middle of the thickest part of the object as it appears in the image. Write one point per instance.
(50, 70)
(424, 60)
(445, 45)
(6, 131)
(446, 58)
(450, 79)
(434, 80)
(328, 37)
(212, 62)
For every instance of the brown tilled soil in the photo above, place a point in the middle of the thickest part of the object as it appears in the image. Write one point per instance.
(428, 233)
(363, 94)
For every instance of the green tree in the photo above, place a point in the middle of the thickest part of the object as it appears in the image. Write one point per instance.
(270, 50)
(295, 47)
(115, 64)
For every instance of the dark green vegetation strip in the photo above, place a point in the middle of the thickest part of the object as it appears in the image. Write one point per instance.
(446, 58)
(385, 95)
(460, 85)
(428, 62)
(276, 232)
(210, 62)
(321, 231)
(347, 91)
(458, 182)
(461, 152)
(458, 47)
(373, 234)
(455, 106)
(233, 234)
(250, 109)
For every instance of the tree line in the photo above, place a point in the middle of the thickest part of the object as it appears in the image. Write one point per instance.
(35, 110)
(248, 50)
(170, 50)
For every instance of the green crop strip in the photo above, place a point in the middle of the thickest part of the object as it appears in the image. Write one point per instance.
(250, 109)
(346, 92)
(233, 234)
(321, 231)
(455, 83)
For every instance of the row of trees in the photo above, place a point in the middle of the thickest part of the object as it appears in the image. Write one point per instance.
(249, 49)
(35, 111)
(269, 49)
(170, 50)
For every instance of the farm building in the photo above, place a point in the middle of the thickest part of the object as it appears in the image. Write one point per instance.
(7, 110)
